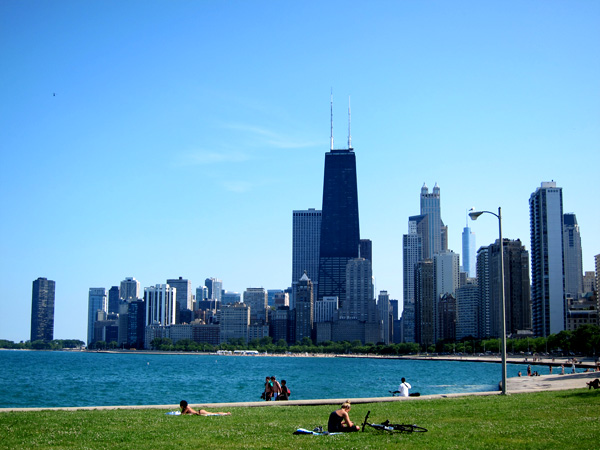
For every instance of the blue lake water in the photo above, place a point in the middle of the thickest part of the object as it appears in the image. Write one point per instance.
(55, 379)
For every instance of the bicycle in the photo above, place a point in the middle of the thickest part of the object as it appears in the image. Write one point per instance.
(392, 427)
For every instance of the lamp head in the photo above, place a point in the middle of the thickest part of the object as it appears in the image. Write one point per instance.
(474, 214)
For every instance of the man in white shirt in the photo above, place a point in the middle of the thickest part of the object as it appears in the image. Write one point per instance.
(404, 387)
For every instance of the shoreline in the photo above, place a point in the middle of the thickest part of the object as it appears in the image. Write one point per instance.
(583, 362)
(515, 385)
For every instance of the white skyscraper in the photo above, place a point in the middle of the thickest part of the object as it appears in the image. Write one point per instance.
(469, 252)
(160, 304)
(547, 270)
(97, 301)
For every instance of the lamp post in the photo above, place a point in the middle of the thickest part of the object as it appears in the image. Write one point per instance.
(474, 215)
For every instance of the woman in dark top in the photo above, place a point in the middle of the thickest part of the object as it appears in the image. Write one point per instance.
(339, 420)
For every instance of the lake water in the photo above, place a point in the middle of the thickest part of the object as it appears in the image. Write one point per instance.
(55, 379)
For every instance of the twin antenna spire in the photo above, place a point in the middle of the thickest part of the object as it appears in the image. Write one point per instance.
(349, 124)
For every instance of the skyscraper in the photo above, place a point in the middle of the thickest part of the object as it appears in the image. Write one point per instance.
(430, 206)
(306, 238)
(42, 310)
(340, 233)
(215, 288)
(547, 270)
(516, 288)
(469, 252)
(183, 296)
(366, 249)
(113, 300)
(304, 309)
(160, 304)
(412, 253)
(257, 300)
(97, 301)
(424, 303)
(130, 289)
(572, 256)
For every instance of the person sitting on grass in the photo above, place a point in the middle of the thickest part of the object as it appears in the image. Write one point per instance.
(594, 384)
(339, 420)
(187, 409)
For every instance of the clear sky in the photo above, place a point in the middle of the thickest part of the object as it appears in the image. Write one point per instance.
(158, 139)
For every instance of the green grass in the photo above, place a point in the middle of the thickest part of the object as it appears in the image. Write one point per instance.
(545, 420)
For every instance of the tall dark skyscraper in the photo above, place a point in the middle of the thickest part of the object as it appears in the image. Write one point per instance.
(340, 234)
(42, 310)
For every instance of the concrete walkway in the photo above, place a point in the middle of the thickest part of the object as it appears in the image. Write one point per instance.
(517, 385)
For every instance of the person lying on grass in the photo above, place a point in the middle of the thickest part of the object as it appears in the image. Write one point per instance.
(187, 409)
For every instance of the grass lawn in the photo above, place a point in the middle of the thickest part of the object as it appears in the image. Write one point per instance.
(544, 420)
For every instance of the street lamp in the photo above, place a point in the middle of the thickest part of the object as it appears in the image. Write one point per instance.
(474, 215)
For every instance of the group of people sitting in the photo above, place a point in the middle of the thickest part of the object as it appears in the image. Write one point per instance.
(275, 390)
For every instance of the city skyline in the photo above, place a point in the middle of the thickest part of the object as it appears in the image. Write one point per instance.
(170, 140)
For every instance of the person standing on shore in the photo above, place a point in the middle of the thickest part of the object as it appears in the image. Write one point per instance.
(404, 387)
(276, 388)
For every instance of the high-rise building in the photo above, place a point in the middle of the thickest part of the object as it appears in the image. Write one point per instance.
(408, 321)
(113, 300)
(572, 256)
(183, 298)
(340, 233)
(547, 270)
(306, 238)
(366, 249)
(136, 323)
(129, 289)
(597, 266)
(234, 320)
(445, 271)
(385, 313)
(469, 252)
(467, 304)
(516, 287)
(430, 206)
(97, 301)
(589, 281)
(484, 308)
(257, 300)
(160, 305)
(413, 249)
(304, 308)
(215, 287)
(359, 290)
(425, 303)
(42, 310)
(229, 297)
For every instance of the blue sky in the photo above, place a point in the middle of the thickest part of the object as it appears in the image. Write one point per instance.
(158, 139)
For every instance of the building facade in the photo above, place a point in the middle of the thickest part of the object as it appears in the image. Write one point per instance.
(340, 233)
(42, 310)
(97, 301)
(547, 270)
(183, 297)
(160, 305)
(572, 256)
(304, 308)
(306, 239)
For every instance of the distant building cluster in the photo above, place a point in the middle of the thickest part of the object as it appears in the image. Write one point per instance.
(332, 296)
(446, 301)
